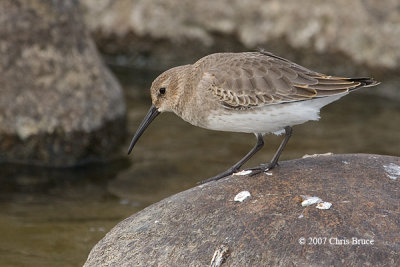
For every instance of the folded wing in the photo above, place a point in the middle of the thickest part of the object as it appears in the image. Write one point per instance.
(248, 80)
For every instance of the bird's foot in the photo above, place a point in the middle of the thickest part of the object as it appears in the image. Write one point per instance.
(262, 168)
(255, 170)
(219, 176)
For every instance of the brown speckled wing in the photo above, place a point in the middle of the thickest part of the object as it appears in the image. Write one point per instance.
(245, 80)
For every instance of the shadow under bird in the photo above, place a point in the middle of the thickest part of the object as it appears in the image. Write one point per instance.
(252, 92)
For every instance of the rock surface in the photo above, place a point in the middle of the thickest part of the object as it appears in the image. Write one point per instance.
(216, 221)
(59, 105)
(365, 30)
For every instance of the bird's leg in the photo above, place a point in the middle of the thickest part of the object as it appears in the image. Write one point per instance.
(274, 161)
(236, 167)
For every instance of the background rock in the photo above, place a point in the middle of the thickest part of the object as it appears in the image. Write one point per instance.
(366, 31)
(59, 105)
(264, 230)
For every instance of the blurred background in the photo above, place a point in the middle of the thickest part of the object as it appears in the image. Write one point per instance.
(74, 86)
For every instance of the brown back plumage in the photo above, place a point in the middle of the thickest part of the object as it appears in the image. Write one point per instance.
(245, 80)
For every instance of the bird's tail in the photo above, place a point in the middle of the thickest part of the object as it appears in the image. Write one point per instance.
(364, 82)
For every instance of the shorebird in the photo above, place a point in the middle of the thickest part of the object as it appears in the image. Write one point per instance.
(251, 92)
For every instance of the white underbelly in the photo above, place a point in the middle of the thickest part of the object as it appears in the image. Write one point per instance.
(269, 118)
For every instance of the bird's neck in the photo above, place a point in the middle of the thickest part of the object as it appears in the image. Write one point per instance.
(185, 93)
(188, 96)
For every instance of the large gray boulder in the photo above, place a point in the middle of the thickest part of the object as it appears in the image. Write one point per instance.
(59, 105)
(357, 223)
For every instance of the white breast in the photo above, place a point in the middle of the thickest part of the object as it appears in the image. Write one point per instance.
(269, 118)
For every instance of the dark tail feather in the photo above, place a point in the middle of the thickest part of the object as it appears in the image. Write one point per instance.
(364, 82)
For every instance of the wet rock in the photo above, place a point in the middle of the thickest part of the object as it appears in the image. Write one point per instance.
(366, 31)
(59, 105)
(355, 220)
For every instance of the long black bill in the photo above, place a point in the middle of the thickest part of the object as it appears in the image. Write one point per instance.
(150, 116)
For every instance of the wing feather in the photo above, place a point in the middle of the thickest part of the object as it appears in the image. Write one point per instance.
(248, 80)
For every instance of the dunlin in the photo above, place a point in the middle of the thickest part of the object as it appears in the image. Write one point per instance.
(254, 92)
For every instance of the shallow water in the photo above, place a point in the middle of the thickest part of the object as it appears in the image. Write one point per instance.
(53, 217)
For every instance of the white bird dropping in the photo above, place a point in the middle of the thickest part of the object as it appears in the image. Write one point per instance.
(240, 197)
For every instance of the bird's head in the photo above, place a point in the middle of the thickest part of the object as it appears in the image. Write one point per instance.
(165, 91)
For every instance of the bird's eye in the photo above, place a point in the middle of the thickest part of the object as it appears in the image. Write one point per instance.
(162, 91)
